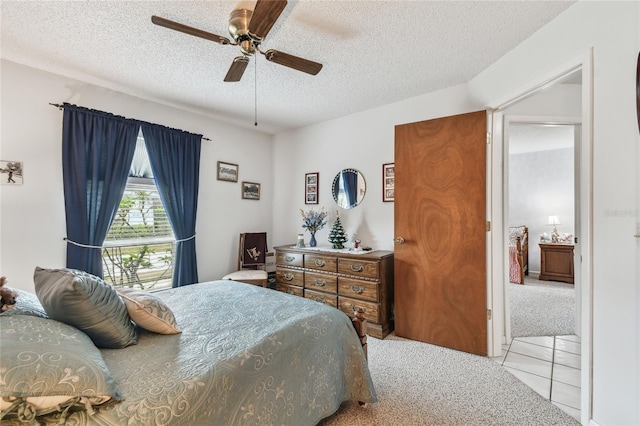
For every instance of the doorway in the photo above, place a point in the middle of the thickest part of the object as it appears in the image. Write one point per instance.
(540, 193)
(580, 68)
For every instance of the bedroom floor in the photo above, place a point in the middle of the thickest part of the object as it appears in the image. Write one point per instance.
(550, 365)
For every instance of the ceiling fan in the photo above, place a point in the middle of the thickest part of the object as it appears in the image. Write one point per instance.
(248, 30)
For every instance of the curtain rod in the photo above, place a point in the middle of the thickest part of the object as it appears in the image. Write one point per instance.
(62, 107)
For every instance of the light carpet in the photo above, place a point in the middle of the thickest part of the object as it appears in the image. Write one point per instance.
(542, 308)
(422, 384)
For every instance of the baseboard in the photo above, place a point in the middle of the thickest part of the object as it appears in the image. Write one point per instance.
(593, 423)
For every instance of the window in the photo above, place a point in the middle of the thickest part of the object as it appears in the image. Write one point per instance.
(138, 250)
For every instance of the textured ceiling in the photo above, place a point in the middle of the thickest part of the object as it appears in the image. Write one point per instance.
(373, 52)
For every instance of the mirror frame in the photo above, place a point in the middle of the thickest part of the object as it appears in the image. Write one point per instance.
(361, 191)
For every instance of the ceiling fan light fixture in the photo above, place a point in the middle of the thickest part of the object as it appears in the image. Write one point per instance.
(248, 28)
(239, 24)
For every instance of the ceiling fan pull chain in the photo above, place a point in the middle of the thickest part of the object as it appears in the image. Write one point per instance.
(255, 91)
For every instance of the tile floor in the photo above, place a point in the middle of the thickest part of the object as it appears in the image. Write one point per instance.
(549, 365)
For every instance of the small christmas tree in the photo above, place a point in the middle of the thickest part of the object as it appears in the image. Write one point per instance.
(337, 236)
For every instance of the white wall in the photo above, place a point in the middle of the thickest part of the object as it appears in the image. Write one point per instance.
(32, 222)
(362, 141)
(612, 30)
(541, 183)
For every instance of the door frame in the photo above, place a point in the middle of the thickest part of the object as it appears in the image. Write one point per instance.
(495, 206)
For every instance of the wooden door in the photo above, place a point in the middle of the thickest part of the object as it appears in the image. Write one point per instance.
(440, 213)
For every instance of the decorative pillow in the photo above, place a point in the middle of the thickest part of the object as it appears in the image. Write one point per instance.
(148, 311)
(49, 367)
(27, 303)
(514, 232)
(88, 303)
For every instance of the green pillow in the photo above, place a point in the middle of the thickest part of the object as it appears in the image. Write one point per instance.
(27, 303)
(87, 303)
(50, 368)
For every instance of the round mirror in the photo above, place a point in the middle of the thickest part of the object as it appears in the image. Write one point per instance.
(348, 188)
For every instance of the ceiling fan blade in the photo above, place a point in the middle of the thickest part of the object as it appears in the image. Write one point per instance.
(294, 62)
(264, 16)
(237, 68)
(172, 25)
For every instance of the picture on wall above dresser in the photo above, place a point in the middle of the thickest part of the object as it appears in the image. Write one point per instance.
(311, 187)
(388, 182)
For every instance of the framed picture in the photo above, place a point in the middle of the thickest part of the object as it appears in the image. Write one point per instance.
(11, 172)
(250, 191)
(227, 171)
(311, 188)
(388, 182)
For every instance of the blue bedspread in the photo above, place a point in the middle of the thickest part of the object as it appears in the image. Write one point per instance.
(246, 356)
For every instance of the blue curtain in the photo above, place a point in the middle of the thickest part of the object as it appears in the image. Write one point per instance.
(97, 148)
(175, 163)
(350, 183)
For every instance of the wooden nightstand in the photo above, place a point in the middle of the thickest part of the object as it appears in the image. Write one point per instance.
(556, 262)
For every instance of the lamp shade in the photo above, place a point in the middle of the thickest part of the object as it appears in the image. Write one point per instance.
(553, 220)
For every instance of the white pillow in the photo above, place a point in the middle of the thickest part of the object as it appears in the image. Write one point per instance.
(148, 311)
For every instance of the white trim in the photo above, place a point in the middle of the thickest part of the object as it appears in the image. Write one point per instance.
(494, 340)
(586, 230)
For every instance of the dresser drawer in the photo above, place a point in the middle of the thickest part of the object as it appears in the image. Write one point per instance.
(290, 289)
(318, 296)
(321, 282)
(348, 305)
(290, 276)
(289, 259)
(365, 290)
(360, 268)
(320, 263)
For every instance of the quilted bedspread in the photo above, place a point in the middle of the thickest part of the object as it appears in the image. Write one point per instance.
(246, 356)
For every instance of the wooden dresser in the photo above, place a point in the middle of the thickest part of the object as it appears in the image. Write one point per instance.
(556, 262)
(344, 281)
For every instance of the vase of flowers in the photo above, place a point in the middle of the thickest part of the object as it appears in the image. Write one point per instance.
(313, 221)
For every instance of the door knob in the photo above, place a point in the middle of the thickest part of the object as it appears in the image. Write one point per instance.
(399, 240)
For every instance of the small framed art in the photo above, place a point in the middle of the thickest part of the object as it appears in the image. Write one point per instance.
(311, 188)
(11, 172)
(250, 191)
(388, 182)
(227, 171)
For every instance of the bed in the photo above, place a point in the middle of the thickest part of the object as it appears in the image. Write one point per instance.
(518, 253)
(244, 355)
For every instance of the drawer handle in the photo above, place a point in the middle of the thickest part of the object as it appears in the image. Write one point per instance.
(357, 308)
(357, 268)
(319, 262)
(288, 277)
(319, 299)
(289, 258)
(357, 289)
(320, 283)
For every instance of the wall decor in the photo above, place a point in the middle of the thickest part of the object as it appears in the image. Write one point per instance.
(11, 172)
(227, 171)
(348, 188)
(311, 182)
(250, 191)
(388, 182)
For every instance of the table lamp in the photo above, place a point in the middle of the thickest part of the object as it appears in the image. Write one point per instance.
(553, 221)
